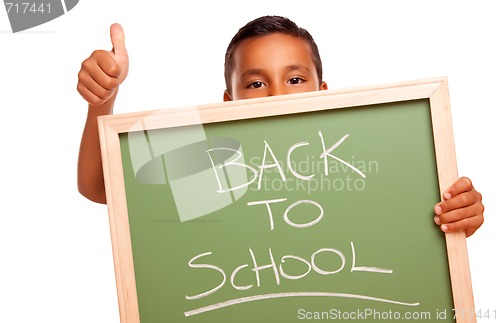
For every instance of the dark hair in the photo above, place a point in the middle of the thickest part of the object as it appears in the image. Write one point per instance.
(264, 26)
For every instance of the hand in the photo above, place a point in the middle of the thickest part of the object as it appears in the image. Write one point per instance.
(461, 209)
(104, 71)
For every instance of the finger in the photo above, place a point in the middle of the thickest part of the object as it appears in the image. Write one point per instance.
(463, 184)
(459, 214)
(460, 201)
(104, 61)
(104, 80)
(98, 90)
(469, 225)
(101, 61)
(118, 40)
(102, 67)
(86, 81)
(90, 97)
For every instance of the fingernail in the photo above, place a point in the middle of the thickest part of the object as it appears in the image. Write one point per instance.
(438, 209)
(444, 227)
(447, 196)
(437, 220)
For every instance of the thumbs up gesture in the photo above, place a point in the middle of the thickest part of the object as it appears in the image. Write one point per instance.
(102, 73)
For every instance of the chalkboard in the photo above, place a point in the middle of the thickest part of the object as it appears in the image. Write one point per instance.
(284, 209)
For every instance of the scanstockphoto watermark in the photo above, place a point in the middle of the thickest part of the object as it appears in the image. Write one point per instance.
(339, 176)
(370, 314)
(26, 14)
(374, 314)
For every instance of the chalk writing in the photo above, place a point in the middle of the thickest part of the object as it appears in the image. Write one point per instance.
(336, 260)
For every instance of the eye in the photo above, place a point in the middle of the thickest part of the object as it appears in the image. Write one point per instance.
(296, 80)
(255, 85)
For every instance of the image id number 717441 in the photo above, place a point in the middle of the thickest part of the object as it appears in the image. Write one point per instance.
(27, 7)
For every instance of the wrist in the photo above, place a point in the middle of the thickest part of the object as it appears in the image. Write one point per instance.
(102, 109)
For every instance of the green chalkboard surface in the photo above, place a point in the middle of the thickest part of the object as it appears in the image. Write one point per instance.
(324, 214)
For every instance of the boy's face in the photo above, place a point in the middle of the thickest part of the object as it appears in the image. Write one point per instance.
(272, 65)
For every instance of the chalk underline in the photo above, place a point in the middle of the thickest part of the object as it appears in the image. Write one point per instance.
(292, 294)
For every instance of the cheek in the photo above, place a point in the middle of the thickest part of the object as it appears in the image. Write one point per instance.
(306, 87)
(248, 94)
(237, 91)
(238, 94)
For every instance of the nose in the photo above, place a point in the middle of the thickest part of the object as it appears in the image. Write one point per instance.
(276, 89)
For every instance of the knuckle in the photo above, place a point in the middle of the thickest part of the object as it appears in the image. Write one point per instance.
(101, 93)
(467, 182)
(481, 209)
(463, 199)
(444, 206)
(461, 214)
(446, 219)
(82, 75)
(86, 64)
(97, 52)
(114, 69)
(79, 88)
(109, 83)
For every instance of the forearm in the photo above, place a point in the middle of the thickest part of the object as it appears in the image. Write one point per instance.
(90, 173)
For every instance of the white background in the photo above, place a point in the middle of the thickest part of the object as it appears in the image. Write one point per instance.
(55, 249)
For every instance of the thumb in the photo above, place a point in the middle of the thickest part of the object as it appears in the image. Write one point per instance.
(118, 41)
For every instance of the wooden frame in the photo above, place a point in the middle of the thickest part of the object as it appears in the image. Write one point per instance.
(436, 90)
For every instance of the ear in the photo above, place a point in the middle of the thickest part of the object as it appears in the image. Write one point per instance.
(323, 86)
(227, 96)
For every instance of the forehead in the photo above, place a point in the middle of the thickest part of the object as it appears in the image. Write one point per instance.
(271, 52)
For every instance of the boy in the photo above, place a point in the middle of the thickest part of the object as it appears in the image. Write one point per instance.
(269, 56)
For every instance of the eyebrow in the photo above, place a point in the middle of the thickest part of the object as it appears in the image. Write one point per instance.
(255, 71)
(289, 68)
(298, 67)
